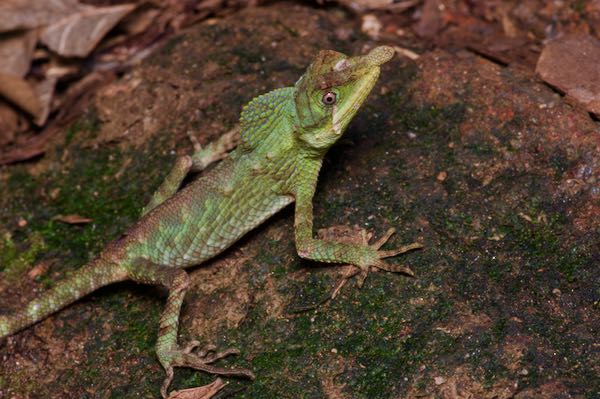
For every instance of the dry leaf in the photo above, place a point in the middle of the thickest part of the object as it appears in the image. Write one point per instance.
(9, 122)
(33, 146)
(570, 63)
(40, 268)
(204, 392)
(388, 5)
(27, 14)
(406, 53)
(32, 97)
(77, 34)
(45, 92)
(139, 20)
(371, 26)
(16, 51)
(72, 219)
(21, 93)
(431, 21)
(54, 193)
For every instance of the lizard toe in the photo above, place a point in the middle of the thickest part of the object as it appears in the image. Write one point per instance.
(199, 361)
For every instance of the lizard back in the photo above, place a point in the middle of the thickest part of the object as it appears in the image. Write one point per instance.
(246, 188)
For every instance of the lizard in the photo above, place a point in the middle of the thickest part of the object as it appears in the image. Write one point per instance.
(283, 137)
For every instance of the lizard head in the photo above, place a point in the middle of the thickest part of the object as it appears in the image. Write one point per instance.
(332, 90)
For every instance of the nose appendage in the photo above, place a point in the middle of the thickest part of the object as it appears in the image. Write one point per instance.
(380, 55)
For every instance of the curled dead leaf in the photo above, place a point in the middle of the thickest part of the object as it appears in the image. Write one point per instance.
(203, 392)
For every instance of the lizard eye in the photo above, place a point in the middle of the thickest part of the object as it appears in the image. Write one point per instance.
(329, 98)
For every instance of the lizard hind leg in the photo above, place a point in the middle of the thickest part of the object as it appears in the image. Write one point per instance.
(168, 352)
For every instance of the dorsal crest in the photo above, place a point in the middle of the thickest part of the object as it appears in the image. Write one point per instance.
(263, 115)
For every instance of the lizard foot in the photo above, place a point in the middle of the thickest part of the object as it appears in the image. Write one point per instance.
(201, 360)
(363, 272)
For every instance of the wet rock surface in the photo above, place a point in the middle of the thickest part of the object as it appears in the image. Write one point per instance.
(489, 168)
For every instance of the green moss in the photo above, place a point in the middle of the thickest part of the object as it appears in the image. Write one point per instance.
(495, 269)
(140, 331)
(109, 186)
(560, 162)
(579, 6)
(543, 244)
(172, 44)
(89, 123)
(13, 260)
(311, 291)
(89, 187)
(369, 332)
(493, 370)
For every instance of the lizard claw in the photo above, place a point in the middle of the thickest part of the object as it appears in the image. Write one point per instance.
(363, 271)
(380, 264)
(384, 238)
(200, 361)
(191, 346)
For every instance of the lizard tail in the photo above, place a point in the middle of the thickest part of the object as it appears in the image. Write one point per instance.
(88, 278)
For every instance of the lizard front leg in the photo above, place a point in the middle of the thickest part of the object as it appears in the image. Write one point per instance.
(363, 256)
(171, 184)
(215, 150)
(169, 353)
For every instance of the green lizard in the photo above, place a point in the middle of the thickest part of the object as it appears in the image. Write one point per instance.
(284, 136)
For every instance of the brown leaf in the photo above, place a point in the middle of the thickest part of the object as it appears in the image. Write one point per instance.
(77, 34)
(9, 122)
(32, 97)
(571, 64)
(30, 148)
(431, 21)
(204, 392)
(69, 109)
(27, 14)
(139, 20)
(72, 219)
(16, 51)
(21, 93)
(388, 5)
(40, 268)
(45, 92)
